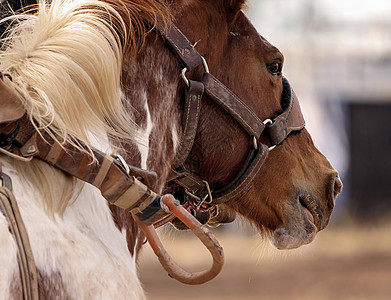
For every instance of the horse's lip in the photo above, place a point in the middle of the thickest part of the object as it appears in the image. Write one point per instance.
(310, 209)
(309, 215)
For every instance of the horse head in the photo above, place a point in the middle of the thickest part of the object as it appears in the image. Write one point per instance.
(293, 194)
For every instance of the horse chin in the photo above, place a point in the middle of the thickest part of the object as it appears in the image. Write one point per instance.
(300, 229)
(284, 239)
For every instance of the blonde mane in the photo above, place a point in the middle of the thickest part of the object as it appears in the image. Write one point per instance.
(65, 62)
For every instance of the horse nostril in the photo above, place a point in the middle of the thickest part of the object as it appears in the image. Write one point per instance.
(337, 186)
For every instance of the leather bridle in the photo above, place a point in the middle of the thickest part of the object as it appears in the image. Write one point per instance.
(196, 190)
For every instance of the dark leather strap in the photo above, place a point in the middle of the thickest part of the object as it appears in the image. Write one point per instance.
(238, 185)
(182, 47)
(291, 119)
(239, 110)
(106, 173)
(188, 180)
(8, 133)
(126, 190)
(191, 115)
(242, 182)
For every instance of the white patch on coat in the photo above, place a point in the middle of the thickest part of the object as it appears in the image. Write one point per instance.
(145, 133)
(175, 138)
(84, 246)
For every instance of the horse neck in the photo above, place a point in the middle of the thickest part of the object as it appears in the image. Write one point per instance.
(152, 96)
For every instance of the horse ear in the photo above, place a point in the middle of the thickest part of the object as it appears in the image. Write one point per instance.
(234, 6)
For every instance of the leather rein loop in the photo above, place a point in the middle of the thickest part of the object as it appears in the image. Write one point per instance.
(200, 231)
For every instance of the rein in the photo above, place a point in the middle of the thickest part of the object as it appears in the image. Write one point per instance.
(9, 208)
(195, 190)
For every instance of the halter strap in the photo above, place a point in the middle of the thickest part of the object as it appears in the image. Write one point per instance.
(290, 120)
(192, 107)
(235, 106)
(182, 47)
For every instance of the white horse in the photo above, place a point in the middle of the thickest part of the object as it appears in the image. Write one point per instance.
(65, 63)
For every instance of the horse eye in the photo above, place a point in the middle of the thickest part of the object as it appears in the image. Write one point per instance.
(274, 68)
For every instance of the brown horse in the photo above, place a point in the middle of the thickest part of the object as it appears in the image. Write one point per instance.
(293, 195)
(78, 51)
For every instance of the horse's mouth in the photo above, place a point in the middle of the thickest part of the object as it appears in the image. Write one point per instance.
(310, 209)
(303, 224)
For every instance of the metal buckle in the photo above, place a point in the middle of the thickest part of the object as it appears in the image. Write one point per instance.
(255, 143)
(184, 70)
(183, 75)
(122, 162)
(206, 68)
(269, 122)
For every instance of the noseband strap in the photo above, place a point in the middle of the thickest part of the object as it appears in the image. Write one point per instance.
(277, 129)
(290, 120)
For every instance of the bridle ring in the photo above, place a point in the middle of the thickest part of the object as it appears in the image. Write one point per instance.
(183, 75)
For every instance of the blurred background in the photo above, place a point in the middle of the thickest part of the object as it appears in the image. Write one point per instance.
(338, 59)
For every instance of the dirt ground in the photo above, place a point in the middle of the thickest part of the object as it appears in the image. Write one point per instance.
(343, 263)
